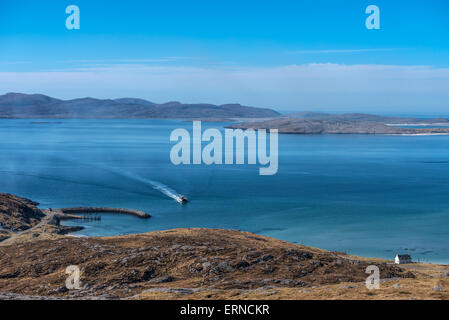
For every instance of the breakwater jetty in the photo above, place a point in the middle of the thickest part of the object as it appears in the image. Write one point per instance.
(91, 210)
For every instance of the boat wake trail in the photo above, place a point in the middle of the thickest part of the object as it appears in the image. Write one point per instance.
(154, 184)
(165, 190)
(118, 171)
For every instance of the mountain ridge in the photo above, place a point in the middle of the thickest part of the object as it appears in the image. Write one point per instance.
(20, 105)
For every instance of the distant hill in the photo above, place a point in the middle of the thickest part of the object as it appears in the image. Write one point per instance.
(19, 105)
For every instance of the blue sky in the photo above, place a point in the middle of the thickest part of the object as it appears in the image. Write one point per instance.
(289, 55)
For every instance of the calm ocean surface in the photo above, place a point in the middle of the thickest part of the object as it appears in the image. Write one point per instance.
(364, 194)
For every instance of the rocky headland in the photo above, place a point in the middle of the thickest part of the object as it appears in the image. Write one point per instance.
(318, 123)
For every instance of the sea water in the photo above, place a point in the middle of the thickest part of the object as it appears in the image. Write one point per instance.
(370, 195)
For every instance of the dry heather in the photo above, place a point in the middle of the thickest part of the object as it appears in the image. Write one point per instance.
(186, 262)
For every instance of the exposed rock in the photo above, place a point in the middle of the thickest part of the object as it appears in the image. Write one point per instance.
(164, 279)
(222, 267)
(62, 289)
(242, 265)
(18, 214)
(267, 257)
(135, 275)
(346, 287)
(206, 265)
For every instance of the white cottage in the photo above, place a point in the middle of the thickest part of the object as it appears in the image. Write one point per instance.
(403, 258)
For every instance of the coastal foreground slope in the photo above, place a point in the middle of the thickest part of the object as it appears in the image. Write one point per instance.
(198, 264)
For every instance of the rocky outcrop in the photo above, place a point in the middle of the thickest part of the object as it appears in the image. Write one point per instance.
(18, 214)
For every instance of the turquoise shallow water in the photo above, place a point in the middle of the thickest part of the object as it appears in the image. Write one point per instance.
(364, 194)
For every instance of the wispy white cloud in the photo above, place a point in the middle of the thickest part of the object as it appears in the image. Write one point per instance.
(322, 86)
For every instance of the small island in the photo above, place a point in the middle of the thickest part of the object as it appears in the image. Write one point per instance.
(354, 123)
